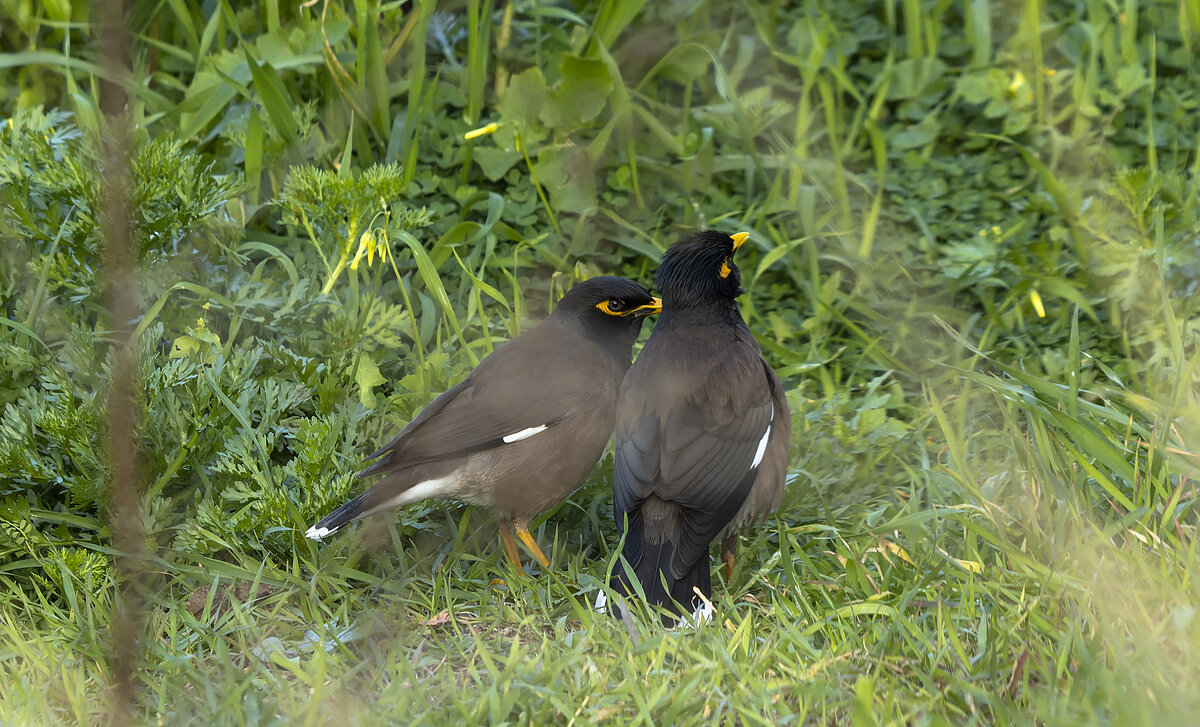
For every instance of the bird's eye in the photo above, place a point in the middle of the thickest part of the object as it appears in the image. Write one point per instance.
(612, 306)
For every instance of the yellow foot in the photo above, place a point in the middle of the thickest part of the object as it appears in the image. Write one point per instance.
(530, 543)
(510, 546)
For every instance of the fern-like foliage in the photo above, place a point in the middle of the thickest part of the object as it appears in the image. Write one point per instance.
(338, 211)
(51, 200)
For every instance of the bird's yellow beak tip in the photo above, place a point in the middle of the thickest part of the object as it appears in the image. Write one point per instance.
(654, 306)
(739, 238)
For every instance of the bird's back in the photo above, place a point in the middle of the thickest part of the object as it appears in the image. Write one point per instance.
(690, 421)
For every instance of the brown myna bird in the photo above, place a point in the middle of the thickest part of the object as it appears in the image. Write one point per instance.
(702, 428)
(525, 428)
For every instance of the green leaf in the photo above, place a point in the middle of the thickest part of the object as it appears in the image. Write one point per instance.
(916, 78)
(569, 175)
(433, 283)
(1131, 78)
(275, 98)
(367, 377)
(579, 96)
(918, 134)
(199, 340)
(494, 162)
(523, 100)
(983, 86)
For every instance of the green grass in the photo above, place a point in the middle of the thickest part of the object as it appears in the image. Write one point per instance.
(973, 264)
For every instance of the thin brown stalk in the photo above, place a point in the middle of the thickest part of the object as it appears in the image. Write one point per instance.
(125, 485)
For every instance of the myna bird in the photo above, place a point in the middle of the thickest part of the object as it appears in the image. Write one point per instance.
(702, 428)
(525, 428)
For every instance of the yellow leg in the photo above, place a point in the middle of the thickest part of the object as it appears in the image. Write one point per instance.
(530, 543)
(510, 546)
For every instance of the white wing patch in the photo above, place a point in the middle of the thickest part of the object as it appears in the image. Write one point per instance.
(762, 448)
(524, 434)
(762, 443)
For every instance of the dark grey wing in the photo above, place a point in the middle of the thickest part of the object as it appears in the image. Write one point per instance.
(635, 469)
(697, 447)
(767, 492)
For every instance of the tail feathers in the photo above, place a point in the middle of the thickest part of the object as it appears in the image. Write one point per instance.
(438, 479)
(662, 588)
(347, 513)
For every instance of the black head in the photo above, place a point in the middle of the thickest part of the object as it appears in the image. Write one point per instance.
(611, 309)
(700, 272)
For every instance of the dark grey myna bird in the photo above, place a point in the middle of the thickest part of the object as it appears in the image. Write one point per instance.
(702, 428)
(525, 428)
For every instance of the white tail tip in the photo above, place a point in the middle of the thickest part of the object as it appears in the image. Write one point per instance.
(315, 533)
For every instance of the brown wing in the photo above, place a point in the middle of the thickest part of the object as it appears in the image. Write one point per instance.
(527, 383)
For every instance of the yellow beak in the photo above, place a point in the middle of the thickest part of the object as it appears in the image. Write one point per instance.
(654, 306)
(738, 238)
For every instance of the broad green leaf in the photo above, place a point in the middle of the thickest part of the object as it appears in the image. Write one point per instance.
(523, 100)
(494, 162)
(579, 96)
(367, 377)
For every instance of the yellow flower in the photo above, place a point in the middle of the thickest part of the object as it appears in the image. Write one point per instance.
(368, 243)
(481, 131)
(1017, 82)
(1037, 303)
